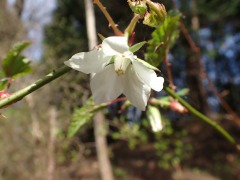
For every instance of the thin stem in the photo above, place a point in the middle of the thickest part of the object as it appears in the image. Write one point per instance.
(196, 50)
(195, 112)
(108, 17)
(168, 68)
(129, 30)
(33, 87)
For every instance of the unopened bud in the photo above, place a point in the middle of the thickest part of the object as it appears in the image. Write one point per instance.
(177, 107)
(138, 6)
(155, 119)
(156, 16)
(3, 94)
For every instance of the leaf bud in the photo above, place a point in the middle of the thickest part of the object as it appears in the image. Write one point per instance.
(138, 6)
(156, 16)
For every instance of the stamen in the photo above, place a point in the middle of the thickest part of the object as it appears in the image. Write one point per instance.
(120, 72)
(121, 63)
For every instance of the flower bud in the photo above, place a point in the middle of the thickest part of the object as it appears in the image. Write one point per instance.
(138, 6)
(156, 16)
(3, 94)
(155, 119)
(177, 107)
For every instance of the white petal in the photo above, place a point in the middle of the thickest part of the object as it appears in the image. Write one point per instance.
(106, 85)
(115, 45)
(148, 76)
(88, 62)
(135, 90)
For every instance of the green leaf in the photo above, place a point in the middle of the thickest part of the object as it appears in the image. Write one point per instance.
(183, 92)
(15, 64)
(163, 38)
(83, 115)
(134, 48)
(3, 83)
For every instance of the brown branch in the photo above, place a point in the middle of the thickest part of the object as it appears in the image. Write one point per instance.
(203, 74)
(196, 50)
(168, 69)
(116, 31)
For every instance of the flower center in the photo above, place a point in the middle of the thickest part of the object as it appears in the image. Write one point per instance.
(121, 63)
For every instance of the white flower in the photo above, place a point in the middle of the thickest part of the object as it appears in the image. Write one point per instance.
(118, 71)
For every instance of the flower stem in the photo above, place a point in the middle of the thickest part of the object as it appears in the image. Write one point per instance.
(129, 30)
(108, 17)
(195, 112)
(33, 87)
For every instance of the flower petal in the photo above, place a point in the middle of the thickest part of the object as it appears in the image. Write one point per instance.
(115, 45)
(148, 76)
(106, 85)
(88, 62)
(135, 90)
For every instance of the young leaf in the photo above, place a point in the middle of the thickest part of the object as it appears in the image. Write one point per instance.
(81, 117)
(3, 83)
(183, 92)
(163, 38)
(15, 64)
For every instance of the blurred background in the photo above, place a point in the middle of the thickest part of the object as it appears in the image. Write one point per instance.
(33, 142)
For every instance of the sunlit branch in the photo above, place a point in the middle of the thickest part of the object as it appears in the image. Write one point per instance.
(33, 87)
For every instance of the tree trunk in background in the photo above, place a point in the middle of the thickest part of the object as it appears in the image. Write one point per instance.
(101, 145)
(11, 28)
(37, 137)
(19, 7)
(99, 119)
(51, 143)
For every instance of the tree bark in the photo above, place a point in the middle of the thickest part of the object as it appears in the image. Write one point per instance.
(51, 143)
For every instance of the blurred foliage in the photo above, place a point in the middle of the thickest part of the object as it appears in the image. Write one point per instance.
(15, 64)
(222, 9)
(171, 146)
(163, 38)
(132, 133)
